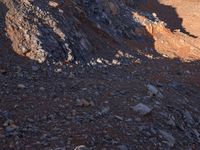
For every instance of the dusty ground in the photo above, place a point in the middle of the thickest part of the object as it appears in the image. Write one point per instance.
(62, 106)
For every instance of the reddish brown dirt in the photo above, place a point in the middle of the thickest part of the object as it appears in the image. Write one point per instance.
(181, 39)
(45, 110)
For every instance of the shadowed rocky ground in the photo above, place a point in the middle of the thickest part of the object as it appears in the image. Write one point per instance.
(101, 74)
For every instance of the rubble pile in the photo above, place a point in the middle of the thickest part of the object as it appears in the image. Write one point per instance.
(73, 30)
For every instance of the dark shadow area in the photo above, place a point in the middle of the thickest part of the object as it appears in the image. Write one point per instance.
(166, 13)
(6, 51)
(4, 41)
(7, 55)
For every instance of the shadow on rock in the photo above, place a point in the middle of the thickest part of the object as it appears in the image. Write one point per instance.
(166, 13)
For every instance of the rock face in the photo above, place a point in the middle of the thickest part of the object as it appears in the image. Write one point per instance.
(82, 30)
(65, 30)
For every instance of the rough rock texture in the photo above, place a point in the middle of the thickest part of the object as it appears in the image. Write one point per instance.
(113, 74)
(81, 30)
(66, 31)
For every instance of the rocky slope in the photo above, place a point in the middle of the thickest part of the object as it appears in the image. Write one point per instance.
(99, 74)
(79, 30)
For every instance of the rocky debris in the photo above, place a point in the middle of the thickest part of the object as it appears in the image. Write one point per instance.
(84, 103)
(197, 134)
(3, 71)
(168, 137)
(21, 86)
(35, 68)
(104, 110)
(188, 118)
(153, 91)
(54, 34)
(122, 147)
(81, 147)
(53, 4)
(10, 126)
(142, 109)
(99, 99)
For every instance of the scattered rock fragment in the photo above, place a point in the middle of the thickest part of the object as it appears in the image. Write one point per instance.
(10, 126)
(168, 137)
(188, 118)
(119, 118)
(171, 122)
(42, 88)
(84, 103)
(197, 134)
(21, 86)
(142, 109)
(71, 75)
(122, 147)
(153, 91)
(35, 68)
(104, 110)
(3, 71)
(53, 4)
(81, 147)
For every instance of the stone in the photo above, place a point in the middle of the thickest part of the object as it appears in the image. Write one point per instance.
(197, 134)
(168, 137)
(153, 91)
(71, 75)
(81, 147)
(53, 4)
(114, 8)
(84, 103)
(104, 110)
(35, 68)
(21, 86)
(188, 118)
(10, 126)
(42, 88)
(122, 147)
(142, 109)
(3, 71)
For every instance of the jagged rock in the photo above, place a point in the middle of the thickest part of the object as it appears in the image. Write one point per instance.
(51, 33)
(154, 91)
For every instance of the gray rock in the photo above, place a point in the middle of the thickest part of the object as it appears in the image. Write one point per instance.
(81, 147)
(122, 147)
(21, 86)
(154, 91)
(168, 137)
(35, 68)
(188, 118)
(197, 134)
(142, 109)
